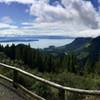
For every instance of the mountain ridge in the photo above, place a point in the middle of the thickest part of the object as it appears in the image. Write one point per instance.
(78, 43)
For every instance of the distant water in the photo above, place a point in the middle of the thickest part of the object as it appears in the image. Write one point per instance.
(42, 43)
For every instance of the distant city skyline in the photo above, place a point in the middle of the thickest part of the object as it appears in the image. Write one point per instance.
(50, 17)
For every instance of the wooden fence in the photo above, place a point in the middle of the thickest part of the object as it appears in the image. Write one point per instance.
(64, 90)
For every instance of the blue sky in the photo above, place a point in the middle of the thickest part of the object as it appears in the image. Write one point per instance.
(16, 11)
(50, 17)
(95, 4)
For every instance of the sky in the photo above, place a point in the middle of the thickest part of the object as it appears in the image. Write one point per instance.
(76, 18)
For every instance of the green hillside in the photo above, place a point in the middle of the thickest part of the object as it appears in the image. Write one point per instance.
(78, 66)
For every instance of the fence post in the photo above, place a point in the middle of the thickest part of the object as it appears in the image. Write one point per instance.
(66, 95)
(15, 78)
(62, 94)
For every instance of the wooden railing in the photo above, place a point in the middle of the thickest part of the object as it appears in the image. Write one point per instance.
(64, 90)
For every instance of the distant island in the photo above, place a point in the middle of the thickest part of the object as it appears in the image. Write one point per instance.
(27, 38)
(18, 40)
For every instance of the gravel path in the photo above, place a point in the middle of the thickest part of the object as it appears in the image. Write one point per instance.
(7, 94)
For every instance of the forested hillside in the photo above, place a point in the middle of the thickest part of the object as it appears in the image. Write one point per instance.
(76, 45)
(79, 68)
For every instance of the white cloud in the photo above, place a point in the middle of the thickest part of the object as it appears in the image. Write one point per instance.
(26, 23)
(6, 20)
(19, 1)
(7, 26)
(75, 11)
(76, 18)
(7, 23)
(57, 28)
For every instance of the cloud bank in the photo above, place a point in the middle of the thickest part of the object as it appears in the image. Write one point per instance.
(74, 11)
(68, 17)
(6, 20)
(19, 1)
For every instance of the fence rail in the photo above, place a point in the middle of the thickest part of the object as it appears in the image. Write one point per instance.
(63, 89)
